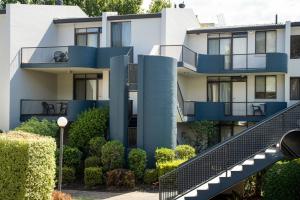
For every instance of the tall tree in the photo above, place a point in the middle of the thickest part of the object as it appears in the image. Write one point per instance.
(157, 5)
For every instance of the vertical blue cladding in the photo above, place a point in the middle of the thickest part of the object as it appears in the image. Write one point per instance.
(118, 104)
(157, 99)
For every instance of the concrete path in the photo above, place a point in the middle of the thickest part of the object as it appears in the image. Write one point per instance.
(94, 195)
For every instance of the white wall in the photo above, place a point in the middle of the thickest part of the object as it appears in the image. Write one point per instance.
(193, 88)
(65, 86)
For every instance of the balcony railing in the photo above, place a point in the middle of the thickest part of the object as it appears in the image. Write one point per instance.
(182, 53)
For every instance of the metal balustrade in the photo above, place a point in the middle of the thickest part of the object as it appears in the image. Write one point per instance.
(234, 151)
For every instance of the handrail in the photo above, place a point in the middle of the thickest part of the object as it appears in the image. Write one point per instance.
(180, 98)
(239, 148)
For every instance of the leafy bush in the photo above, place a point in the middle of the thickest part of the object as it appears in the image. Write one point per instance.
(44, 127)
(165, 167)
(56, 195)
(185, 152)
(27, 168)
(137, 159)
(72, 157)
(282, 181)
(120, 178)
(89, 124)
(92, 161)
(112, 155)
(150, 176)
(95, 146)
(93, 176)
(68, 175)
(164, 155)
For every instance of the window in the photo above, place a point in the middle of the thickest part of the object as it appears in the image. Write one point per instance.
(88, 87)
(295, 46)
(295, 88)
(120, 34)
(88, 37)
(265, 41)
(265, 87)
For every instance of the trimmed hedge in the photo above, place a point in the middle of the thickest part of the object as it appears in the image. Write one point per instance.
(93, 176)
(27, 168)
(282, 181)
(185, 152)
(90, 123)
(72, 157)
(164, 154)
(150, 176)
(120, 178)
(113, 153)
(165, 167)
(137, 159)
(68, 175)
(92, 161)
(95, 146)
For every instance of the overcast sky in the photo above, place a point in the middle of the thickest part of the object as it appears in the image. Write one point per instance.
(243, 11)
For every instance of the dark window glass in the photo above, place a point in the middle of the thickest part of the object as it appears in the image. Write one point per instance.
(213, 46)
(79, 85)
(88, 37)
(265, 87)
(213, 92)
(295, 46)
(265, 41)
(295, 88)
(120, 34)
(88, 86)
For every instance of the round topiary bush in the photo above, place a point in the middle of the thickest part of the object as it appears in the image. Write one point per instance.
(137, 159)
(71, 157)
(282, 181)
(184, 152)
(150, 176)
(120, 178)
(95, 146)
(89, 124)
(68, 175)
(92, 161)
(164, 155)
(112, 155)
(93, 176)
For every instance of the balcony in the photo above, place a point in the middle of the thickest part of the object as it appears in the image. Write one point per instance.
(242, 63)
(52, 109)
(70, 56)
(184, 55)
(235, 111)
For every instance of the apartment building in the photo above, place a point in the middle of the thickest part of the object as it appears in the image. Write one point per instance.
(156, 72)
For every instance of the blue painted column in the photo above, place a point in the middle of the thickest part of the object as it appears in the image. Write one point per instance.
(118, 104)
(157, 100)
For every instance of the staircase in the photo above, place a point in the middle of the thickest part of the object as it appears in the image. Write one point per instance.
(228, 163)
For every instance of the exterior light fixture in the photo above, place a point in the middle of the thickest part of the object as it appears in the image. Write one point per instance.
(62, 123)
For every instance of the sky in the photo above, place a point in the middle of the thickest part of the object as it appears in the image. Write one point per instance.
(237, 12)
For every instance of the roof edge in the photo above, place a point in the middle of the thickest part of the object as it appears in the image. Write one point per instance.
(77, 20)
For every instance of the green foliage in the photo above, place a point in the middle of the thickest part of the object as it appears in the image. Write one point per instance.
(68, 175)
(282, 181)
(164, 154)
(95, 146)
(90, 123)
(72, 157)
(44, 127)
(93, 176)
(112, 155)
(27, 168)
(157, 5)
(137, 159)
(92, 161)
(120, 178)
(165, 167)
(150, 176)
(185, 152)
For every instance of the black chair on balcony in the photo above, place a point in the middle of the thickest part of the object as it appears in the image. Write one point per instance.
(48, 109)
(257, 110)
(60, 56)
(63, 108)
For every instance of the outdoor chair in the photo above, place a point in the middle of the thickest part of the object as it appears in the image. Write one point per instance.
(48, 108)
(257, 109)
(60, 56)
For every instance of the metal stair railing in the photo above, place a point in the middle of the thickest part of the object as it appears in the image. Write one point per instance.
(180, 99)
(228, 154)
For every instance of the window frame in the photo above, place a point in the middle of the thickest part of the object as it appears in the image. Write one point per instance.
(119, 22)
(265, 96)
(265, 33)
(99, 76)
(293, 57)
(298, 79)
(86, 33)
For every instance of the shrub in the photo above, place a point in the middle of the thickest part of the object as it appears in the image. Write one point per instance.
(44, 127)
(112, 155)
(95, 146)
(120, 178)
(92, 176)
(72, 157)
(56, 195)
(27, 168)
(137, 159)
(282, 181)
(185, 152)
(165, 167)
(150, 176)
(164, 154)
(89, 124)
(68, 175)
(92, 161)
